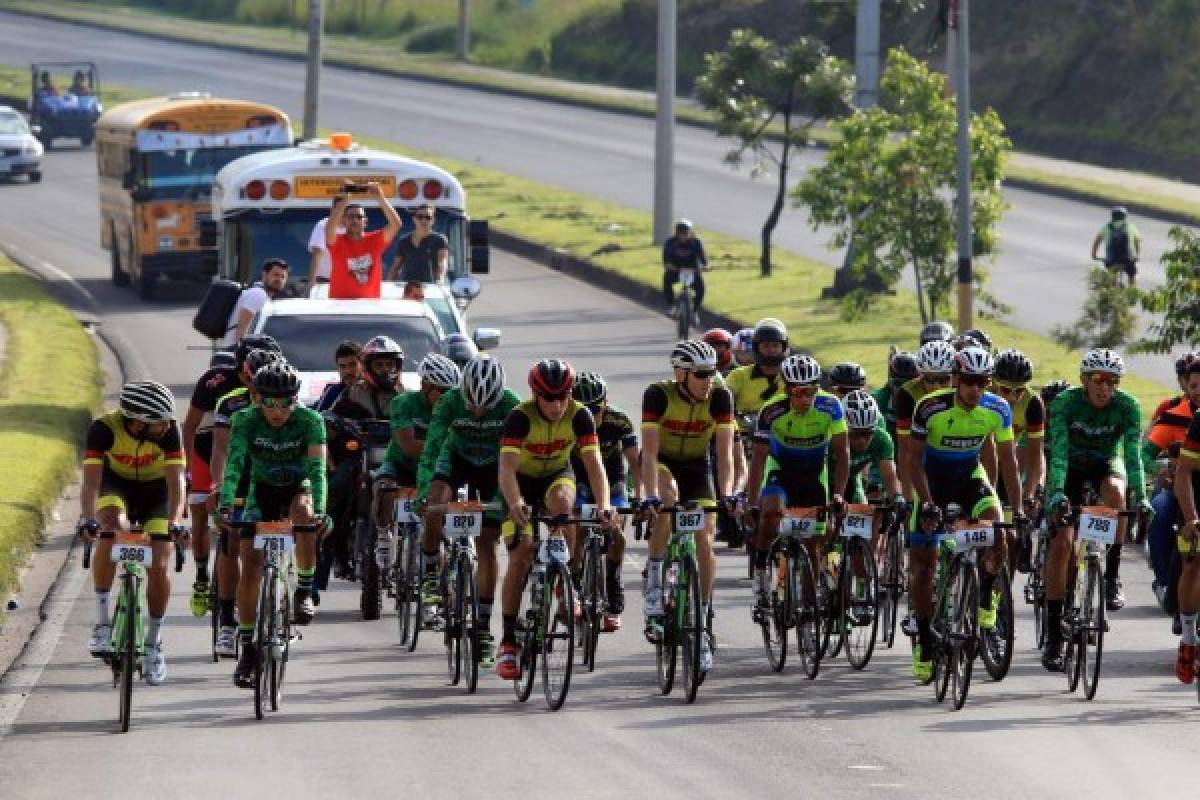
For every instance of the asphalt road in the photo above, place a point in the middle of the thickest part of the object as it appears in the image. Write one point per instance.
(1045, 241)
(361, 718)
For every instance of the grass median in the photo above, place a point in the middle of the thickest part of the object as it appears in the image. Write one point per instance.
(50, 383)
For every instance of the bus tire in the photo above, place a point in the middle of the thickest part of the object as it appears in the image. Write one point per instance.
(147, 282)
(119, 276)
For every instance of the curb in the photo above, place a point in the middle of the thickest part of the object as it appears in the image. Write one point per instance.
(576, 102)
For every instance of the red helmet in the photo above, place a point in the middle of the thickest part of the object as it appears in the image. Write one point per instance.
(552, 377)
(723, 339)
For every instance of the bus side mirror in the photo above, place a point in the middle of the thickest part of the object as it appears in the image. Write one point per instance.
(477, 232)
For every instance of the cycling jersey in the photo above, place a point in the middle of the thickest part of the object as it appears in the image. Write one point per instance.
(685, 428)
(214, 384)
(1087, 438)
(1191, 449)
(277, 456)
(455, 434)
(885, 399)
(1028, 417)
(881, 448)
(1170, 427)
(751, 389)
(227, 406)
(544, 446)
(907, 398)
(954, 435)
(408, 411)
(800, 440)
(615, 433)
(124, 455)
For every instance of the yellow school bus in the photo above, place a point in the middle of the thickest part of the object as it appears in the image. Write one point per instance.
(157, 160)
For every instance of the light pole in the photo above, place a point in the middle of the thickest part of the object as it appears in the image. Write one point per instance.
(664, 123)
(959, 24)
(312, 73)
(464, 30)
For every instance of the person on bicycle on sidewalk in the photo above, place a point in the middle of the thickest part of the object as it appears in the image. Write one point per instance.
(1088, 425)
(410, 415)
(1187, 482)
(133, 467)
(536, 477)
(618, 442)
(1122, 244)
(680, 417)
(794, 436)
(947, 435)
(684, 250)
(282, 445)
(462, 450)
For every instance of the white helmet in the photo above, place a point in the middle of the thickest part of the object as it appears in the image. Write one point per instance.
(974, 361)
(862, 412)
(800, 369)
(147, 401)
(483, 382)
(1102, 360)
(439, 371)
(693, 354)
(936, 356)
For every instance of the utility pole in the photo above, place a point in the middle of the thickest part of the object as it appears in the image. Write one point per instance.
(312, 75)
(664, 123)
(866, 55)
(960, 46)
(464, 30)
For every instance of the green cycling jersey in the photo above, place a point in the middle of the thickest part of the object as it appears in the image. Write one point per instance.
(408, 410)
(276, 456)
(455, 432)
(1084, 436)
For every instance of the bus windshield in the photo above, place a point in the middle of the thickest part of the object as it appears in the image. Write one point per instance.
(188, 174)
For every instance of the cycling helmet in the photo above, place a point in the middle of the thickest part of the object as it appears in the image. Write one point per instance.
(693, 354)
(552, 377)
(378, 348)
(720, 336)
(255, 341)
(936, 331)
(483, 382)
(974, 361)
(1053, 390)
(862, 412)
(743, 346)
(147, 401)
(440, 371)
(800, 369)
(1102, 360)
(978, 337)
(682, 224)
(460, 349)
(935, 356)
(1013, 366)
(1119, 213)
(223, 359)
(770, 330)
(902, 366)
(257, 359)
(277, 379)
(848, 374)
(1184, 362)
(590, 388)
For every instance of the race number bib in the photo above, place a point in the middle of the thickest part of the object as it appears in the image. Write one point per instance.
(801, 522)
(591, 513)
(406, 510)
(464, 523)
(689, 521)
(134, 548)
(1097, 524)
(274, 537)
(973, 534)
(859, 522)
(554, 549)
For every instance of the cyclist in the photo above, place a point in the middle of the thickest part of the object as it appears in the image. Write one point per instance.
(371, 396)
(948, 432)
(227, 559)
(214, 384)
(846, 377)
(902, 368)
(1014, 371)
(743, 347)
(282, 445)
(619, 452)
(679, 418)
(935, 363)
(936, 331)
(1088, 424)
(462, 450)
(752, 386)
(871, 445)
(1187, 479)
(684, 250)
(972, 337)
(1122, 243)
(133, 464)
(793, 437)
(722, 342)
(410, 414)
(535, 473)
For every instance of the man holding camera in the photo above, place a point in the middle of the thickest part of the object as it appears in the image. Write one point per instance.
(356, 256)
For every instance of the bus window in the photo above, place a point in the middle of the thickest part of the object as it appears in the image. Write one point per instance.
(187, 174)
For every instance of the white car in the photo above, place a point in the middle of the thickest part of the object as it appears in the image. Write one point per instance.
(20, 151)
(309, 330)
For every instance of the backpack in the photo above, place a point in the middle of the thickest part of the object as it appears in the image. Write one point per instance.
(212, 317)
(1118, 244)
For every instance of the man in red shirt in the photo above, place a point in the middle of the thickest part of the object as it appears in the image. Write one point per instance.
(356, 257)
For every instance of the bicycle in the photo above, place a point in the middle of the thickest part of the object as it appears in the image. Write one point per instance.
(892, 576)
(214, 596)
(133, 553)
(686, 309)
(859, 583)
(377, 434)
(1084, 612)
(797, 607)
(593, 590)
(408, 567)
(273, 632)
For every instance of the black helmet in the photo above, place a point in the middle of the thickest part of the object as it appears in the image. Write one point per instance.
(1119, 213)
(254, 341)
(848, 374)
(459, 348)
(902, 367)
(935, 331)
(1184, 362)
(1013, 366)
(257, 359)
(277, 379)
(770, 330)
(590, 388)
(1053, 390)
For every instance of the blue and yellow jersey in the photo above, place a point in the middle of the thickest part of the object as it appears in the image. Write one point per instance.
(954, 435)
(800, 440)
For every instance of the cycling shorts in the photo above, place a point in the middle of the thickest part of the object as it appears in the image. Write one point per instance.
(270, 503)
(202, 481)
(974, 494)
(1095, 474)
(482, 482)
(693, 480)
(143, 502)
(796, 490)
(399, 474)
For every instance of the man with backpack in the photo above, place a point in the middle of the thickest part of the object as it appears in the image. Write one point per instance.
(1122, 244)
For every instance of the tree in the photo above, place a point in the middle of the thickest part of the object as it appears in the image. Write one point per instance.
(1107, 320)
(768, 97)
(1177, 302)
(889, 182)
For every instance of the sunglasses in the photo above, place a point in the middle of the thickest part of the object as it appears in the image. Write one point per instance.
(278, 402)
(973, 380)
(425, 217)
(1101, 379)
(704, 374)
(938, 378)
(554, 398)
(1009, 388)
(800, 390)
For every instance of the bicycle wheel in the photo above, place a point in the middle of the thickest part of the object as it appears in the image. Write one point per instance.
(666, 655)
(691, 616)
(127, 607)
(557, 635)
(774, 618)
(281, 644)
(1071, 662)
(214, 614)
(965, 634)
(1091, 629)
(831, 588)
(860, 599)
(943, 614)
(523, 686)
(468, 628)
(807, 615)
(401, 580)
(452, 607)
(998, 643)
(416, 599)
(683, 323)
(892, 586)
(370, 600)
(588, 630)
(262, 640)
